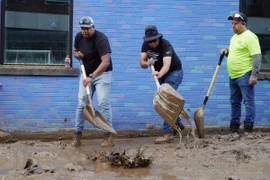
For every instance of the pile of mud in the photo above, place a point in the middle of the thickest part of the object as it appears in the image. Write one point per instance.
(126, 159)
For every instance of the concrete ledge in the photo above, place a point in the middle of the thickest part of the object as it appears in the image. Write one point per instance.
(28, 70)
(94, 134)
(264, 74)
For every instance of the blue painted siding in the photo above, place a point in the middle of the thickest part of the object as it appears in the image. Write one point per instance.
(196, 28)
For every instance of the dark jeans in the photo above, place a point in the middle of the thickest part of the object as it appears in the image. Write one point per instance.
(174, 79)
(241, 90)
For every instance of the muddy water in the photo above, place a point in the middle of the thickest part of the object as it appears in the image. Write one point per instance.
(91, 147)
(216, 158)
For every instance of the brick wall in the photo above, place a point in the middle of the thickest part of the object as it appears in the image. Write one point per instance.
(197, 29)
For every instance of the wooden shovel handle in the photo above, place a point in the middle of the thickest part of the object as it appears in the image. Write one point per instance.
(213, 79)
(155, 77)
(87, 88)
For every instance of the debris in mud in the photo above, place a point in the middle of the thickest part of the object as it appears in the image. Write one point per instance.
(74, 168)
(230, 178)
(126, 159)
(32, 167)
(230, 137)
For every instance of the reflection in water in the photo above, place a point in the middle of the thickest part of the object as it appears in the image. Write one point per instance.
(150, 171)
(139, 172)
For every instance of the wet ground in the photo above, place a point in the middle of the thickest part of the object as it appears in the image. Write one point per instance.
(213, 158)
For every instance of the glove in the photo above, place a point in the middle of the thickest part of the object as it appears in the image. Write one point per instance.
(151, 62)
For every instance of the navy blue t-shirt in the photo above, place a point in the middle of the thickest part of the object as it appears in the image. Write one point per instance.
(93, 48)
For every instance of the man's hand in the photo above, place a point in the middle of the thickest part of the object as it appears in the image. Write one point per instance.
(86, 81)
(155, 73)
(225, 51)
(252, 81)
(78, 55)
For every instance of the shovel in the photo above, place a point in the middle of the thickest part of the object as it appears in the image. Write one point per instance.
(92, 115)
(198, 114)
(170, 104)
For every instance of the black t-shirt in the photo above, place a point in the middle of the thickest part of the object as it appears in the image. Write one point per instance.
(93, 48)
(164, 49)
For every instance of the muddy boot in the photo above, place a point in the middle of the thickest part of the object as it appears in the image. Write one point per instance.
(181, 126)
(248, 129)
(233, 133)
(77, 139)
(108, 141)
(166, 138)
(234, 128)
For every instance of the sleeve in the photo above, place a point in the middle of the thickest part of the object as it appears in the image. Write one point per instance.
(167, 51)
(104, 47)
(144, 48)
(76, 40)
(257, 61)
(254, 45)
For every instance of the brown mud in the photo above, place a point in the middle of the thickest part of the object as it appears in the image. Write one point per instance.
(50, 156)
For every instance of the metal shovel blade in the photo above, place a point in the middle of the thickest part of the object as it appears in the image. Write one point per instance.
(97, 120)
(199, 122)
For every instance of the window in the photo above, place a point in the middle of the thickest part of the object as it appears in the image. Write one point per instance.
(258, 15)
(36, 31)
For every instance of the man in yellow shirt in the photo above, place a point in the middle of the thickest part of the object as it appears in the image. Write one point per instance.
(243, 64)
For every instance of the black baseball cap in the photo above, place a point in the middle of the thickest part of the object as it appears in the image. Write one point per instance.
(238, 17)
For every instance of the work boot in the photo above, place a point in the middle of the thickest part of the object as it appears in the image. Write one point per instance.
(166, 138)
(233, 133)
(77, 139)
(108, 141)
(248, 128)
(181, 126)
(234, 128)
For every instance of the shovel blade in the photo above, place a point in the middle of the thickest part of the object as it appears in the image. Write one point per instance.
(88, 115)
(97, 120)
(168, 103)
(199, 122)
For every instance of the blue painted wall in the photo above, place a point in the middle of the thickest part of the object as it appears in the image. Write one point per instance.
(196, 28)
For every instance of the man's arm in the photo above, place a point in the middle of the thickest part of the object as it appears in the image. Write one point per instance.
(257, 61)
(166, 66)
(143, 60)
(105, 62)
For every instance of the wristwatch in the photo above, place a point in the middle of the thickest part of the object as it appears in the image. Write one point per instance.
(92, 76)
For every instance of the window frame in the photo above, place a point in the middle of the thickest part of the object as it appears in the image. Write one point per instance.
(264, 72)
(38, 69)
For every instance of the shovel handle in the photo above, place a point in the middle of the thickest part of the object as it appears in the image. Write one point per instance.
(155, 77)
(87, 87)
(84, 76)
(213, 79)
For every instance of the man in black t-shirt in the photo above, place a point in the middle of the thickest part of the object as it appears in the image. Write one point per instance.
(93, 48)
(168, 69)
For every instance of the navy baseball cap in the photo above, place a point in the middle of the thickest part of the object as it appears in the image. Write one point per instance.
(238, 17)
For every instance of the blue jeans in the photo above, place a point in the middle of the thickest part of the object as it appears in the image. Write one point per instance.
(241, 90)
(174, 79)
(102, 86)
